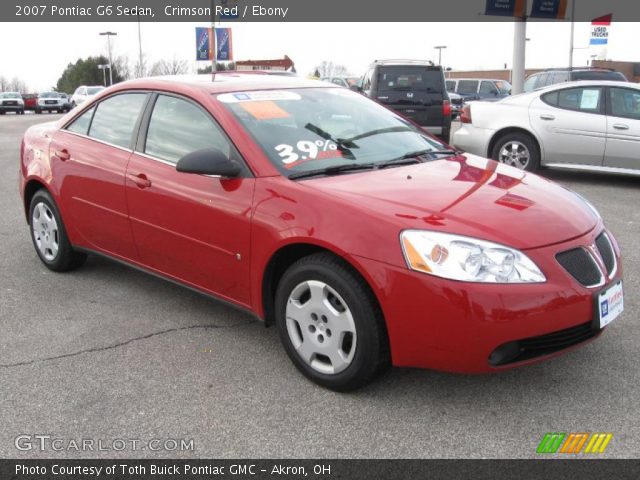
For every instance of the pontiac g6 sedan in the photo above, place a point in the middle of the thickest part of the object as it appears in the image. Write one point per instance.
(362, 238)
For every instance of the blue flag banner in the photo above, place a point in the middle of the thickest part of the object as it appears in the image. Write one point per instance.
(224, 45)
(549, 8)
(204, 50)
(505, 8)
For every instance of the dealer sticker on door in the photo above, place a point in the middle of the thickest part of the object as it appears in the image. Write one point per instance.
(610, 304)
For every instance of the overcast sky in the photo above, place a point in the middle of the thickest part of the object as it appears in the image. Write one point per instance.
(38, 53)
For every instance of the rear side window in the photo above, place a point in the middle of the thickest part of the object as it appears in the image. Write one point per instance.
(579, 99)
(81, 124)
(410, 78)
(468, 86)
(178, 127)
(543, 80)
(115, 118)
(559, 77)
(487, 87)
(529, 84)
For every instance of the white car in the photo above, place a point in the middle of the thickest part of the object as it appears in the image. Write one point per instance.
(11, 102)
(584, 125)
(84, 93)
(50, 102)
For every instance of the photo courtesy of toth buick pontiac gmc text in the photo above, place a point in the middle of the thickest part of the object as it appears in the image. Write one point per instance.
(366, 241)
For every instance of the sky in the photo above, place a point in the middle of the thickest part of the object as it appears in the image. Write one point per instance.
(39, 59)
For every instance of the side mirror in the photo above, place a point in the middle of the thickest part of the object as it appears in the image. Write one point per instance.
(356, 88)
(208, 161)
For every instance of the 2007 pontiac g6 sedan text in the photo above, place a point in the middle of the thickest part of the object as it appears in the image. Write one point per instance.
(366, 241)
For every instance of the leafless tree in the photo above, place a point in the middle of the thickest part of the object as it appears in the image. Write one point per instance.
(175, 66)
(329, 69)
(4, 83)
(17, 85)
(140, 71)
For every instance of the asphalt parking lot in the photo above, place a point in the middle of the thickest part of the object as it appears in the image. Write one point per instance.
(107, 352)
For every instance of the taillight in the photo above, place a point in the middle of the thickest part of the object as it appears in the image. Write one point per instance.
(446, 108)
(465, 116)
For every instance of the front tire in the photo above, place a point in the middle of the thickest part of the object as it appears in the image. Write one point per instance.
(518, 150)
(49, 235)
(330, 324)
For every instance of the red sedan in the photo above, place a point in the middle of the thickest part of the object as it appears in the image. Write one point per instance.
(362, 238)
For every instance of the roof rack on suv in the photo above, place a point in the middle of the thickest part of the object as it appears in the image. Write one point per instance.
(402, 61)
(572, 69)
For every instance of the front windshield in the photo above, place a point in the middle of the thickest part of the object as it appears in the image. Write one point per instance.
(49, 95)
(11, 95)
(503, 86)
(94, 90)
(307, 129)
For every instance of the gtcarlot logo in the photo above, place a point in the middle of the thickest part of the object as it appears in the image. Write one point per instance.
(574, 443)
(42, 443)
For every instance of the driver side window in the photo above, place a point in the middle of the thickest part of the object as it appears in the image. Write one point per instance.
(178, 126)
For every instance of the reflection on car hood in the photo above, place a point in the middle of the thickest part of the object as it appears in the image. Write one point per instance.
(468, 195)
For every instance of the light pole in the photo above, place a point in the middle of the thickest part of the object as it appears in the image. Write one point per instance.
(141, 70)
(109, 34)
(104, 76)
(439, 48)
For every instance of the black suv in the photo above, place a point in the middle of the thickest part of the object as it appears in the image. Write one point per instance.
(559, 75)
(413, 88)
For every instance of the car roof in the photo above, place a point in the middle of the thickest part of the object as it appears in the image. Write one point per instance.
(588, 83)
(224, 82)
(480, 79)
(404, 61)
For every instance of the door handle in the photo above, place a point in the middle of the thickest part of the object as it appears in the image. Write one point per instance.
(620, 126)
(547, 116)
(140, 180)
(63, 154)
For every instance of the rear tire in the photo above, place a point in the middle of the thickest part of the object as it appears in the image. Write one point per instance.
(49, 235)
(330, 324)
(518, 150)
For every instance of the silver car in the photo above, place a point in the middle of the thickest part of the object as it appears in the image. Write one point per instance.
(585, 125)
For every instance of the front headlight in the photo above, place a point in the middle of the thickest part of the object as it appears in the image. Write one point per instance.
(467, 259)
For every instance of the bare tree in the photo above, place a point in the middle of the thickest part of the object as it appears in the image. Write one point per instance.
(140, 71)
(17, 85)
(4, 83)
(121, 65)
(175, 66)
(330, 69)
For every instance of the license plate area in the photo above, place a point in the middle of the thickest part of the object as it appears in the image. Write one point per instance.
(608, 304)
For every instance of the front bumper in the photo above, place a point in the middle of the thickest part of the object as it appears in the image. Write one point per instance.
(457, 326)
(11, 108)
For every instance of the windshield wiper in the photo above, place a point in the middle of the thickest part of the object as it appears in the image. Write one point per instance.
(333, 170)
(343, 145)
(378, 132)
(413, 157)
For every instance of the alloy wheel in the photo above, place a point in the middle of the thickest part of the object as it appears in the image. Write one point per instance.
(515, 153)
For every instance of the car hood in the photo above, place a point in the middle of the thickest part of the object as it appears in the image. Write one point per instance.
(467, 195)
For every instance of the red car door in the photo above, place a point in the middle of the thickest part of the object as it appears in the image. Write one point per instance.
(194, 228)
(90, 157)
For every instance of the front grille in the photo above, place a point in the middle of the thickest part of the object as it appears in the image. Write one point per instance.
(606, 252)
(532, 347)
(10, 103)
(581, 265)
